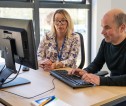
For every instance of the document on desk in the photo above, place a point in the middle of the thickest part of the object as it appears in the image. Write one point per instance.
(49, 101)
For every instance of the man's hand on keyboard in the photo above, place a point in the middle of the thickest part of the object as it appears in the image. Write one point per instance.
(78, 72)
(91, 78)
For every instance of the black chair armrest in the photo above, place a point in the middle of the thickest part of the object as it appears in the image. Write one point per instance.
(102, 73)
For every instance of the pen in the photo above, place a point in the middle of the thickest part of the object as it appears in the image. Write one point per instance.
(47, 101)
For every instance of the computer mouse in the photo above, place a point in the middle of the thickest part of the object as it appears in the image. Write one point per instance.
(25, 68)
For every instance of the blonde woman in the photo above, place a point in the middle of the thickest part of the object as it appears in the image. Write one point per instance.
(59, 48)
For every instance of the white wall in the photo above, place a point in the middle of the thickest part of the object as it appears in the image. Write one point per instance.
(119, 4)
(99, 8)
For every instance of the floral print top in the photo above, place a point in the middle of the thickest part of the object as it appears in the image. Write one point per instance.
(47, 49)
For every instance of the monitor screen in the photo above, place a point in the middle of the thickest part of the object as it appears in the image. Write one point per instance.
(17, 42)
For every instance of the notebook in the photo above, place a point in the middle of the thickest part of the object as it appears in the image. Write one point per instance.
(55, 102)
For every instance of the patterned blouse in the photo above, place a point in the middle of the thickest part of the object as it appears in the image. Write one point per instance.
(47, 49)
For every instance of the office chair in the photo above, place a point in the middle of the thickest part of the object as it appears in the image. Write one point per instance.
(100, 73)
(82, 51)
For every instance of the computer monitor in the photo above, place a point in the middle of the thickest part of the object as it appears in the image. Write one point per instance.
(17, 42)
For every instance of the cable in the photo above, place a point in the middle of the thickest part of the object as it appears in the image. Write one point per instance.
(18, 75)
(2, 69)
(13, 77)
(17, 72)
(35, 95)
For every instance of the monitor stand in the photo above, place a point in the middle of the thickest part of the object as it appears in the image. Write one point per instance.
(10, 66)
(4, 74)
(16, 82)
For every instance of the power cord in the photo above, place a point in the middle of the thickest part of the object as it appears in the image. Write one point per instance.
(13, 77)
(2, 69)
(18, 74)
(35, 95)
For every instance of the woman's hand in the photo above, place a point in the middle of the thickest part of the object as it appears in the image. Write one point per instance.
(45, 64)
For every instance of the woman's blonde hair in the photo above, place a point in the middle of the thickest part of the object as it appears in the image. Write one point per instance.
(66, 15)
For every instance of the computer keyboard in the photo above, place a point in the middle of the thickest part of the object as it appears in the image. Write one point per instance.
(71, 80)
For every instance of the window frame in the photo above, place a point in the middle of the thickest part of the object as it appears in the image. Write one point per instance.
(63, 1)
(37, 4)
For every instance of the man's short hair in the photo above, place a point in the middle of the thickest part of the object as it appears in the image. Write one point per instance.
(120, 19)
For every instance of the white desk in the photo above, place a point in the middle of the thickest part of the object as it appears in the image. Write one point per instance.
(42, 81)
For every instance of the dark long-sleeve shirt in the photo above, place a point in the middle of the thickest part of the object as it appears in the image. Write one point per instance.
(115, 58)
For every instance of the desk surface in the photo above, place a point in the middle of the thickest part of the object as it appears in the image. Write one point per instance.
(42, 81)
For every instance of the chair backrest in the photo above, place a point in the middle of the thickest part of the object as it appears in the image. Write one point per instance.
(82, 51)
(82, 62)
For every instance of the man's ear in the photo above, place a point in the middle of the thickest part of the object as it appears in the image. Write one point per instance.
(122, 28)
